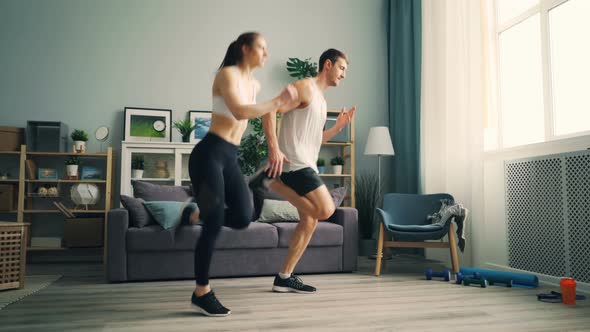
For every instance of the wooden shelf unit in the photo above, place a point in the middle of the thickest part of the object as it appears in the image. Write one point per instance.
(25, 196)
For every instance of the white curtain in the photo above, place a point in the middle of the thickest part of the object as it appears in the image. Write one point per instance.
(453, 108)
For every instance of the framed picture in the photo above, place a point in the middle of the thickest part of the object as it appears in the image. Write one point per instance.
(147, 125)
(47, 174)
(202, 120)
(91, 173)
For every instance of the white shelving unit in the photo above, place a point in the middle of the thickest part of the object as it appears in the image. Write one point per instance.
(174, 154)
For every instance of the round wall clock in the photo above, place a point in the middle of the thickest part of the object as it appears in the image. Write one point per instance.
(159, 126)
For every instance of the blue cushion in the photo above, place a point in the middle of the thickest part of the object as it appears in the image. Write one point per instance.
(169, 213)
(415, 228)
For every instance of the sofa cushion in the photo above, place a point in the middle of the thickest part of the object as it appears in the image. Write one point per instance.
(150, 238)
(338, 195)
(169, 214)
(326, 234)
(138, 214)
(256, 236)
(155, 192)
(259, 194)
(276, 210)
(155, 238)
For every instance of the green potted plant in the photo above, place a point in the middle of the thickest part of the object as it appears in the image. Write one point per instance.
(137, 167)
(302, 68)
(337, 164)
(253, 150)
(79, 137)
(368, 197)
(321, 165)
(185, 128)
(72, 163)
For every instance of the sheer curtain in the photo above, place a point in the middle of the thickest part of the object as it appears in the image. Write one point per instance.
(453, 107)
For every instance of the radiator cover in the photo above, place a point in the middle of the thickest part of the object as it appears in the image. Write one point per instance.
(548, 214)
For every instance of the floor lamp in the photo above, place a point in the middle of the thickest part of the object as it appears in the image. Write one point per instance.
(379, 144)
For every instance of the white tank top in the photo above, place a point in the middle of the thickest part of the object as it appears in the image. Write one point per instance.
(300, 138)
(220, 107)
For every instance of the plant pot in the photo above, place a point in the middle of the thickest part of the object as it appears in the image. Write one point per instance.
(79, 146)
(337, 169)
(137, 173)
(71, 170)
(321, 169)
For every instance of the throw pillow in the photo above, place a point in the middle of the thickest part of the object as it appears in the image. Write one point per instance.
(138, 215)
(259, 194)
(338, 195)
(275, 210)
(155, 192)
(168, 213)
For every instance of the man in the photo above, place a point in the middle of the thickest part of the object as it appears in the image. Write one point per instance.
(301, 136)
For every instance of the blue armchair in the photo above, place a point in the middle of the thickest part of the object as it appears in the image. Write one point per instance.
(404, 219)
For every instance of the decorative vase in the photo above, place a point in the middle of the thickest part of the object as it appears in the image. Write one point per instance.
(161, 169)
(79, 146)
(337, 169)
(71, 170)
(137, 173)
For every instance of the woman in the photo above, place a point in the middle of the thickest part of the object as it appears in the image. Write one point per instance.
(213, 165)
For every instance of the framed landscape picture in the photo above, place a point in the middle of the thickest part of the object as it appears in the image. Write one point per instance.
(147, 125)
(202, 120)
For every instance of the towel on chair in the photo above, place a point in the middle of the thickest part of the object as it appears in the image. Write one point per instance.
(458, 212)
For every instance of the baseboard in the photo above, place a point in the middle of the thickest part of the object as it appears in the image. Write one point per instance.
(581, 287)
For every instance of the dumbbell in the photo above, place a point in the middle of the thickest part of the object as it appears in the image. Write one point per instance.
(446, 274)
(496, 280)
(460, 276)
(482, 282)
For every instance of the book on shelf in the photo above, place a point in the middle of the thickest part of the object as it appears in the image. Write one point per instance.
(31, 169)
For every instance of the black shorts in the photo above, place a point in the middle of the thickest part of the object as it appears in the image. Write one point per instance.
(303, 180)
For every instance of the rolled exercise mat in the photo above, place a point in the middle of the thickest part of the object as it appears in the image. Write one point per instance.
(522, 280)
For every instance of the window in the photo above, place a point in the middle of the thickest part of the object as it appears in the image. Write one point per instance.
(570, 57)
(543, 64)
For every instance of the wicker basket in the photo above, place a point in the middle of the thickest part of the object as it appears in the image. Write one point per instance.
(13, 254)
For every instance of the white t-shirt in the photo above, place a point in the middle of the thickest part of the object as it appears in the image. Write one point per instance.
(300, 138)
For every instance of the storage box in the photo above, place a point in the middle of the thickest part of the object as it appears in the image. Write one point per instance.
(11, 138)
(47, 136)
(8, 197)
(84, 232)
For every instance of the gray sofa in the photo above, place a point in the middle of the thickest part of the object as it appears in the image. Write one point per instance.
(152, 253)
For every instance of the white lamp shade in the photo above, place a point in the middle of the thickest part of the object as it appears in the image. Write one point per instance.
(379, 142)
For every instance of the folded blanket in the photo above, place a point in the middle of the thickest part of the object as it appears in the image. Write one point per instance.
(458, 212)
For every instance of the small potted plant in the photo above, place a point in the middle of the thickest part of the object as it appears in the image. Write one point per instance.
(72, 166)
(185, 128)
(79, 137)
(137, 167)
(337, 164)
(321, 165)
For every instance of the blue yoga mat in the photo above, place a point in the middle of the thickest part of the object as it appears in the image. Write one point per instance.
(523, 280)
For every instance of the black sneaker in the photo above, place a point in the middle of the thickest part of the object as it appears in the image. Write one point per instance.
(291, 284)
(259, 179)
(209, 305)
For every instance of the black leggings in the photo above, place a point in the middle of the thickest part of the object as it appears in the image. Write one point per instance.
(217, 182)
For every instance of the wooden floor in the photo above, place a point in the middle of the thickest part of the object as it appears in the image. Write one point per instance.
(399, 300)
